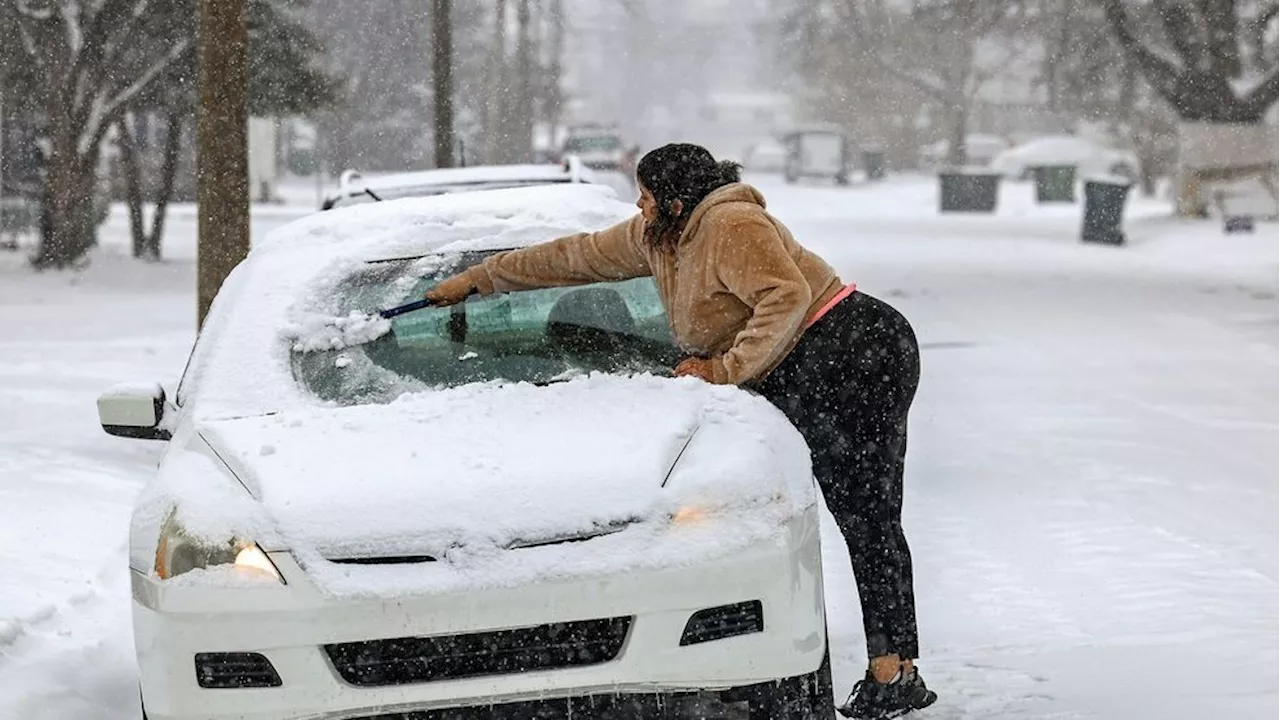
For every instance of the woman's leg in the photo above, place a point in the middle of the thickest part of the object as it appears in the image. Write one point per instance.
(870, 400)
(847, 388)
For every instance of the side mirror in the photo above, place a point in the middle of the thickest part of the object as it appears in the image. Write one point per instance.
(134, 410)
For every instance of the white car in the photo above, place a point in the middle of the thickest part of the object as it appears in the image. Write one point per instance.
(1089, 158)
(504, 505)
(355, 188)
(598, 146)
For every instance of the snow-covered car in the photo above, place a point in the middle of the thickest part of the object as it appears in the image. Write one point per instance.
(1089, 158)
(507, 504)
(354, 188)
(599, 146)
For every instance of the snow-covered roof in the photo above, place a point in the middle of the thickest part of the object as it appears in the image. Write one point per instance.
(242, 364)
(444, 177)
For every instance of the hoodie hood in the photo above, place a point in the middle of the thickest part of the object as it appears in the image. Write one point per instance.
(738, 192)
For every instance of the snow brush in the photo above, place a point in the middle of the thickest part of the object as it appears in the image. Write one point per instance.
(415, 305)
(337, 333)
(406, 308)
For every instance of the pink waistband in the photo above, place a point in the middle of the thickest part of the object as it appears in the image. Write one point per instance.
(845, 292)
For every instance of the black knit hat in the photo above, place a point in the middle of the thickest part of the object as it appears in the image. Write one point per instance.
(684, 172)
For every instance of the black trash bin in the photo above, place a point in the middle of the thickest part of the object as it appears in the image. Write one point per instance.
(873, 161)
(1104, 211)
(968, 191)
(1055, 184)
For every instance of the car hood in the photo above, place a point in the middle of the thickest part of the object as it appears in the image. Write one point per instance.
(500, 466)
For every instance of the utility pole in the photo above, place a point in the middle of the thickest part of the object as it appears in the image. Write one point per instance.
(223, 169)
(442, 79)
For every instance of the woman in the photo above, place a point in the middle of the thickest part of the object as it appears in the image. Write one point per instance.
(756, 309)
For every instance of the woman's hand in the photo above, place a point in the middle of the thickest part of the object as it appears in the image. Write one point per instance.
(451, 290)
(696, 367)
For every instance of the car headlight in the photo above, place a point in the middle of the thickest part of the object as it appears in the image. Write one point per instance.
(688, 515)
(178, 553)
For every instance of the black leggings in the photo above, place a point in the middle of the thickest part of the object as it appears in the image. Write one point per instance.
(847, 387)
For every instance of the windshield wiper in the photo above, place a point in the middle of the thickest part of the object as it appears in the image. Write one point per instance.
(372, 194)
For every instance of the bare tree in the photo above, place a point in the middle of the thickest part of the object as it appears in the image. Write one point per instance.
(1200, 55)
(934, 48)
(87, 62)
(146, 240)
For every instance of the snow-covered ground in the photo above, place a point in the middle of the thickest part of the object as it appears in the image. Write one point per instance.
(1092, 484)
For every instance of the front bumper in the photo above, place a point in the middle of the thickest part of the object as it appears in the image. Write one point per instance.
(290, 625)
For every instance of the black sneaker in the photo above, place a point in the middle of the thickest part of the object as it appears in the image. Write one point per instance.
(872, 700)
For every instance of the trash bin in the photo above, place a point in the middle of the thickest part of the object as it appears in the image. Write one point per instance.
(1104, 211)
(873, 161)
(1055, 184)
(968, 192)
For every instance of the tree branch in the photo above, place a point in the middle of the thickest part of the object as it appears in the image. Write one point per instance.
(1263, 94)
(1162, 74)
(110, 109)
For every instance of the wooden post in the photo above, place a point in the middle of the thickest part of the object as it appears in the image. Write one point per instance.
(223, 158)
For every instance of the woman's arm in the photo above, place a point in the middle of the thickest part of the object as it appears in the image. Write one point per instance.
(754, 265)
(615, 253)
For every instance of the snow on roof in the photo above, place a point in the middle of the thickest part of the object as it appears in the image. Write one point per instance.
(478, 174)
(242, 365)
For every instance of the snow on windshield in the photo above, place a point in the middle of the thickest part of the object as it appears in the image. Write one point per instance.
(538, 336)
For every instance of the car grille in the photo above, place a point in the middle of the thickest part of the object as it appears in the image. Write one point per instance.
(722, 622)
(553, 646)
(223, 671)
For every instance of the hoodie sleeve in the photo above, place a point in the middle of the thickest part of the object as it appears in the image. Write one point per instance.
(754, 265)
(615, 253)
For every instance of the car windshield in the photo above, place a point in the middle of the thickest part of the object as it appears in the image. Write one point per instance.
(592, 142)
(538, 336)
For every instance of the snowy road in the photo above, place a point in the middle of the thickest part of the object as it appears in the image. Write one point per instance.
(1092, 485)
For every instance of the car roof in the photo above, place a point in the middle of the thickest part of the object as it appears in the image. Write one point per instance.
(355, 183)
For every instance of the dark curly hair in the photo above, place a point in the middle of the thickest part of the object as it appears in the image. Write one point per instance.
(684, 172)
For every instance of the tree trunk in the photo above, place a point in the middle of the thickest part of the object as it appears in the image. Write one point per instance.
(522, 127)
(168, 174)
(132, 184)
(69, 198)
(554, 99)
(223, 161)
(957, 145)
(442, 80)
(495, 122)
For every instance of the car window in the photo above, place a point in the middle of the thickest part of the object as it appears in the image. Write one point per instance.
(596, 142)
(537, 336)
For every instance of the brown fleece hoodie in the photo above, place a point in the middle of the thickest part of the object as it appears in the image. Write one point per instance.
(738, 288)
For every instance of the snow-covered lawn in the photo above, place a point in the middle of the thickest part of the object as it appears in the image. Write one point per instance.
(1092, 484)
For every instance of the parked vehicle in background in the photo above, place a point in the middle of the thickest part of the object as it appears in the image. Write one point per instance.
(766, 156)
(501, 505)
(821, 151)
(1090, 158)
(355, 188)
(598, 146)
(979, 150)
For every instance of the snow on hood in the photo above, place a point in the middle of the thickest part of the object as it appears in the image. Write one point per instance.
(241, 365)
(468, 471)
